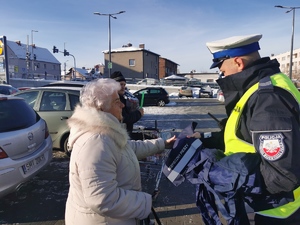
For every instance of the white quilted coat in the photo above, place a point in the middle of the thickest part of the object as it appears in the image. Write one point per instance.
(105, 183)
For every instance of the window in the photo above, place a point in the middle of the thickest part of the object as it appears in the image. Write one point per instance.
(131, 62)
(53, 66)
(29, 97)
(74, 99)
(154, 91)
(53, 101)
(45, 66)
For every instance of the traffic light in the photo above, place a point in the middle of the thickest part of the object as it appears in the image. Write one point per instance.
(55, 50)
(66, 53)
(34, 56)
(27, 55)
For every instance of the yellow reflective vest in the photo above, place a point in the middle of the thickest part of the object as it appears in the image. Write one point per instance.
(233, 144)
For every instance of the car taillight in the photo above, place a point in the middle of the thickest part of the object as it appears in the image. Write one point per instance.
(3, 154)
(3, 98)
(46, 131)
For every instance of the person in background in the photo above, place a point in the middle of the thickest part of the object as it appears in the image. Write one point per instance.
(105, 181)
(262, 105)
(129, 116)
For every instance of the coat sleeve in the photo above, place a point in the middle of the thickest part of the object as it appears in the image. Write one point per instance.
(274, 126)
(146, 148)
(101, 192)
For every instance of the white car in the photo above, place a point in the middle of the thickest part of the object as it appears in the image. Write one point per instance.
(25, 143)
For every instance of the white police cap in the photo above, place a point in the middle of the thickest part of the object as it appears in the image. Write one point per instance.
(232, 47)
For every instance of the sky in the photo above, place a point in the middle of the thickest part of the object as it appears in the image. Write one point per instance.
(175, 29)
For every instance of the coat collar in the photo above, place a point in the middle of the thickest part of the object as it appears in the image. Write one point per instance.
(86, 120)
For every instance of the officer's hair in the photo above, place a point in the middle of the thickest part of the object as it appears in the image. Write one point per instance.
(250, 58)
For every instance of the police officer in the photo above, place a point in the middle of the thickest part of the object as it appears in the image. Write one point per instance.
(262, 106)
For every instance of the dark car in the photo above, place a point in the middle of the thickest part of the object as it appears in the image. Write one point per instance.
(150, 96)
(205, 91)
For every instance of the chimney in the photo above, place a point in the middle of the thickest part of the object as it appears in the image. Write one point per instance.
(142, 46)
(18, 43)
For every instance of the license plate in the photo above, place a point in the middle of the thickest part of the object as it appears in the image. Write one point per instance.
(32, 164)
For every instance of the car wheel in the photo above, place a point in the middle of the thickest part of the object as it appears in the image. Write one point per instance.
(161, 103)
(65, 145)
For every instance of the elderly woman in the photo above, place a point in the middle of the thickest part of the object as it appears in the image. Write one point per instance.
(105, 183)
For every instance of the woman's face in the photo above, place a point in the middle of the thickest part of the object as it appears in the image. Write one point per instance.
(116, 106)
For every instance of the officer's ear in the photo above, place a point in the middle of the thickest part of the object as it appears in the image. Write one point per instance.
(240, 63)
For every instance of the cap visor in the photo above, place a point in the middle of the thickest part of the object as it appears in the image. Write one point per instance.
(215, 64)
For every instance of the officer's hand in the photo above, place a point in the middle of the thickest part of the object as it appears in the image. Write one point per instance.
(141, 111)
(170, 142)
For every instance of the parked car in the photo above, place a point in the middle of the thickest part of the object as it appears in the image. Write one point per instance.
(206, 91)
(25, 143)
(55, 104)
(185, 91)
(153, 96)
(7, 89)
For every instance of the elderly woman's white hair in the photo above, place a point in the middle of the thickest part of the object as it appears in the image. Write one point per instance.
(95, 94)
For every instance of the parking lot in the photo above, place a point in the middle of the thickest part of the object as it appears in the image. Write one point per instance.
(42, 200)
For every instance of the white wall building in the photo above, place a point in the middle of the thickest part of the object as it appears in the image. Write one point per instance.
(27, 61)
(284, 60)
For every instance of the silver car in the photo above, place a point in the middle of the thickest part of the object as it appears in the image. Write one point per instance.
(25, 143)
(55, 104)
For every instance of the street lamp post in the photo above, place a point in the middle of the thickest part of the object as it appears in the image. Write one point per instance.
(110, 15)
(32, 56)
(292, 38)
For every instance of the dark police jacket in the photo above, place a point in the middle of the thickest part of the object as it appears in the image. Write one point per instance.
(264, 112)
(129, 117)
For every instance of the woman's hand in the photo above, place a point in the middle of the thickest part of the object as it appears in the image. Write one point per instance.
(170, 142)
(196, 135)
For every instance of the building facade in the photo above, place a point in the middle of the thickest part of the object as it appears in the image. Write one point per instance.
(166, 67)
(135, 63)
(284, 60)
(31, 62)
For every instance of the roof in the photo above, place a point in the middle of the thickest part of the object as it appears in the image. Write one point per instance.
(129, 49)
(42, 54)
(175, 77)
(80, 70)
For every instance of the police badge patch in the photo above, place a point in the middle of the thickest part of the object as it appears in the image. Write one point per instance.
(271, 146)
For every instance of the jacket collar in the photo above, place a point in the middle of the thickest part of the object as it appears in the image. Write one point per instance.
(234, 86)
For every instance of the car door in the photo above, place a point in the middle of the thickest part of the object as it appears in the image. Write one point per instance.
(55, 111)
(153, 96)
(144, 101)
